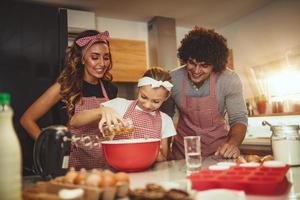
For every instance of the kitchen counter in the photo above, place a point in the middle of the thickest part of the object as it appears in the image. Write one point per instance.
(172, 174)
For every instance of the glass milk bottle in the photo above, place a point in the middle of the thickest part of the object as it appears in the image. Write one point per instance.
(10, 153)
(286, 144)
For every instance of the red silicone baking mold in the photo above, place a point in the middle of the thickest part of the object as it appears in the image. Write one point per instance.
(253, 180)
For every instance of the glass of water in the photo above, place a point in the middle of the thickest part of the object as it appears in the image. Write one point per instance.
(192, 149)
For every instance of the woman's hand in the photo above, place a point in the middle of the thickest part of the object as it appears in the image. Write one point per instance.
(227, 150)
(109, 116)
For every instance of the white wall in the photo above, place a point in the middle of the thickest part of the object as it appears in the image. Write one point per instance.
(264, 36)
(79, 20)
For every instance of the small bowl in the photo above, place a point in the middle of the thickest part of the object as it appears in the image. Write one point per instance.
(131, 155)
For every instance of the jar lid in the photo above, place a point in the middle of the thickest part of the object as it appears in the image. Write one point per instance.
(4, 98)
(285, 128)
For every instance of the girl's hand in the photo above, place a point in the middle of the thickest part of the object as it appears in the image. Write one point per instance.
(109, 116)
(161, 157)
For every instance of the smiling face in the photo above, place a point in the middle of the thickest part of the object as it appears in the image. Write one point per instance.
(150, 99)
(96, 61)
(198, 72)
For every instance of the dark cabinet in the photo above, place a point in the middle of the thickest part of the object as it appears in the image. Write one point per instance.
(33, 39)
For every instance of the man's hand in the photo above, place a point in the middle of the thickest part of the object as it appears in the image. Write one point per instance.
(227, 150)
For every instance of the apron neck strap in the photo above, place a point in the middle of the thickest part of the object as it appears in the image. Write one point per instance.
(103, 89)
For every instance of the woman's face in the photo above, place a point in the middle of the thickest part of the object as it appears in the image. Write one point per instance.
(150, 99)
(198, 72)
(96, 61)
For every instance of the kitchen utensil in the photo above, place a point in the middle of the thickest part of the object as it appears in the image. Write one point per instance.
(285, 141)
(51, 152)
(109, 132)
(261, 180)
(131, 155)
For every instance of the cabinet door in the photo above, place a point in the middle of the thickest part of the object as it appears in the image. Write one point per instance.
(129, 59)
(33, 40)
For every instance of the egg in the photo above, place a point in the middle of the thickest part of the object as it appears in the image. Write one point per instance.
(108, 180)
(122, 177)
(80, 178)
(70, 176)
(93, 179)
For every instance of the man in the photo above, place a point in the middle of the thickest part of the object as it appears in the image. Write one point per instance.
(204, 92)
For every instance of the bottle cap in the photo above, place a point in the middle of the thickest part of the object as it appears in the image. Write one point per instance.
(4, 98)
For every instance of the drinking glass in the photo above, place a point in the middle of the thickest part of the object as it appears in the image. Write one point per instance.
(192, 149)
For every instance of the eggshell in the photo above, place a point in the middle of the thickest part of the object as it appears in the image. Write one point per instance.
(267, 158)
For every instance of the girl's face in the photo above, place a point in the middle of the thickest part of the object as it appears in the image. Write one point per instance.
(150, 99)
(198, 71)
(96, 61)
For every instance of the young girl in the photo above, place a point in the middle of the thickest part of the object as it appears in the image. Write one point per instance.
(84, 83)
(153, 89)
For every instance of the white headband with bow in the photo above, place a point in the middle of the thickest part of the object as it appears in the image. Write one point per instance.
(154, 83)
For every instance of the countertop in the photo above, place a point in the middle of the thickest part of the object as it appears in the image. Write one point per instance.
(173, 174)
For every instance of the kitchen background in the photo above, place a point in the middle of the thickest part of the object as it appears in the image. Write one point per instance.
(264, 36)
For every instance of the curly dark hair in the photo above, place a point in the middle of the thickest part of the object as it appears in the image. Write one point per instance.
(204, 45)
(71, 77)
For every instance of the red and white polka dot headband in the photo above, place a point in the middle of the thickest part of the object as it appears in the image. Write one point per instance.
(87, 42)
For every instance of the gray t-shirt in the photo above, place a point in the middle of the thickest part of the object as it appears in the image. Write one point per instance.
(229, 94)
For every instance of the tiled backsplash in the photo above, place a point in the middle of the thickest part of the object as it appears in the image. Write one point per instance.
(256, 129)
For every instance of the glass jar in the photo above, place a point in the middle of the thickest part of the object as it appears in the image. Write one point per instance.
(285, 142)
(118, 129)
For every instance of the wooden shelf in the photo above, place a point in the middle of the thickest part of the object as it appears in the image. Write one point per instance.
(276, 114)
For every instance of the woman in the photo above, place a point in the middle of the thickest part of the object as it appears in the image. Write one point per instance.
(84, 83)
(204, 91)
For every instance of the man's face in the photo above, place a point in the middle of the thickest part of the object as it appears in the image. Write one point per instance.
(198, 72)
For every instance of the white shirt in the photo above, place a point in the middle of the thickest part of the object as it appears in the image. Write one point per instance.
(121, 105)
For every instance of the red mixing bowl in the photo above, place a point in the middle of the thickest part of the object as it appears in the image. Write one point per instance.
(131, 155)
